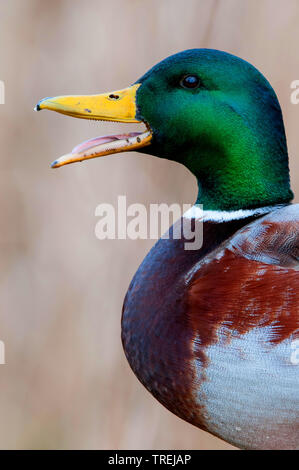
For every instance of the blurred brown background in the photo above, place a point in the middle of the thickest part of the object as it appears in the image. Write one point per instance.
(66, 383)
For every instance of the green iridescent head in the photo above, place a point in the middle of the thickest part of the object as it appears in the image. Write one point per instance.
(209, 110)
(218, 115)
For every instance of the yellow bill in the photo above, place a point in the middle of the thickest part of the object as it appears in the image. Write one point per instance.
(119, 106)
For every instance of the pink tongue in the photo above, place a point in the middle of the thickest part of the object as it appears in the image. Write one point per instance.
(102, 140)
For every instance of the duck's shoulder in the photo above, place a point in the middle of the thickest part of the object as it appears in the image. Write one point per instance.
(272, 239)
(250, 280)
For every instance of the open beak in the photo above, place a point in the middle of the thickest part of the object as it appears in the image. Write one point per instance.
(119, 106)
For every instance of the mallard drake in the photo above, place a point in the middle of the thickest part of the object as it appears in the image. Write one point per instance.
(212, 333)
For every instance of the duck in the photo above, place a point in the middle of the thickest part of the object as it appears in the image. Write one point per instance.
(212, 333)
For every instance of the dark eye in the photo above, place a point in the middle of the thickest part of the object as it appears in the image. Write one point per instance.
(190, 81)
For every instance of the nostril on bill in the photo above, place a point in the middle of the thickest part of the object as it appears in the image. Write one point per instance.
(113, 97)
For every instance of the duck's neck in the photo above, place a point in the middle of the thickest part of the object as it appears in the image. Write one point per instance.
(220, 216)
(243, 168)
(232, 186)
